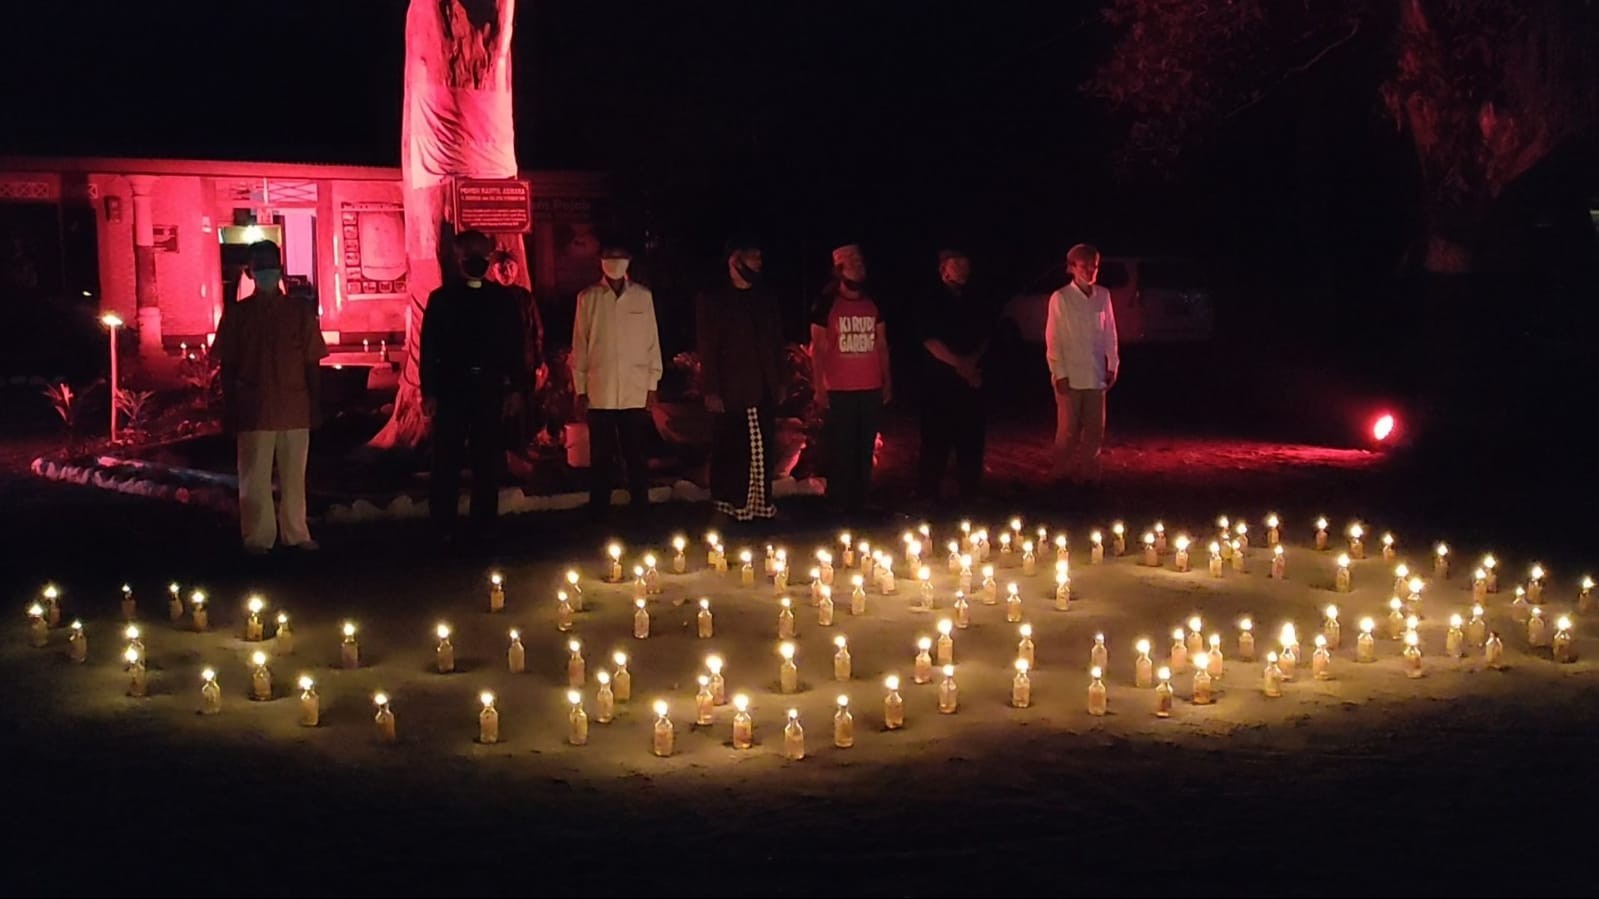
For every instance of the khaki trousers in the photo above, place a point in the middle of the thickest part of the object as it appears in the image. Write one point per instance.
(1079, 434)
(260, 523)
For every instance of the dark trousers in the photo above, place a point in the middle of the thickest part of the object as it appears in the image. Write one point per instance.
(954, 420)
(851, 435)
(467, 430)
(618, 434)
(732, 457)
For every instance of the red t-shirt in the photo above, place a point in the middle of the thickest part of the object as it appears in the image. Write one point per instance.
(853, 357)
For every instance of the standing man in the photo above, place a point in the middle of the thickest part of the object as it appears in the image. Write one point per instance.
(740, 336)
(270, 348)
(473, 378)
(956, 328)
(616, 366)
(849, 352)
(1080, 342)
(506, 271)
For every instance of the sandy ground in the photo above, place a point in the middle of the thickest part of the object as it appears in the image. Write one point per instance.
(1464, 781)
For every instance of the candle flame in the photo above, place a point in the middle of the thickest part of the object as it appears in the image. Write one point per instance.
(208, 675)
(891, 682)
(258, 659)
(255, 605)
(660, 708)
(786, 650)
(1142, 646)
(1163, 673)
(1093, 672)
(306, 683)
(741, 702)
(380, 699)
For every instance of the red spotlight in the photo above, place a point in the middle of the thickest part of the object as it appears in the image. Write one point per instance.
(1383, 427)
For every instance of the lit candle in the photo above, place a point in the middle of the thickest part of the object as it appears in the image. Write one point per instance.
(793, 737)
(1493, 651)
(350, 650)
(922, 672)
(1479, 586)
(1098, 655)
(1535, 586)
(1396, 618)
(1388, 551)
(848, 549)
(1029, 560)
(1273, 535)
(679, 559)
(1585, 596)
(1181, 561)
(574, 589)
(174, 603)
(1272, 683)
(1004, 543)
(38, 626)
(787, 672)
(704, 703)
(1357, 546)
(841, 660)
(843, 725)
(1062, 554)
(867, 558)
(948, 692)
(1321, 534)
(1151, 555)
(893, 704)
(283, 639)
(982, 545)
(1163, 693)
(1024, 647)
(742, 725)
(1063, 588)
(1241, 532)
(718, 558)
(990, 589)
(1289, 659)
(1477, 627)
(1440, 564)
(663, 738)
(1215, 558)
(718, 683)
(137, 687)
(1491, 565)
(1097, 700)
(130, 608)
(1143, 666)
(563, 611)
(1179, 652)
(911, 554)
(1195, 640)
(1413, 601)
(577, 721)
(924, 601)
(1564, 652)
(1225, 539)
(1341, 579)
(1160, 538)
(1519, 609)
(1412, 654)
(254, 629)
(1246, 639)
(131, 632)
(1279, 562)
(384, 720)
(615, 552)
(52, 605)
(1217, 666)
(1537, 629)
(641, 584)
(641, 620)
(785, 619)
(1202, 695)
(704, 624)
(1331, 629)
(77, 643)
(621, 678)
(1238, 557)
(496, 592)
(445, 654)
(885, 577)
(210, 693)
(825, 560)
(963, 616)
(576, 668)
(954, 560)
(1013, 605)
(1223, 523)
(1401, 578)
(488, 720)
(746, 570)
(1455, 639)
(713, 547)
(816, 585)
(260, 678)
(604, 699)
(1096, 548)
(1016, 527)
(857, 595)
(1320, 660)
(1118, 538)
(310, 704)
(202, 618)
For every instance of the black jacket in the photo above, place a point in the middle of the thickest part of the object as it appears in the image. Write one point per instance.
(472, 339)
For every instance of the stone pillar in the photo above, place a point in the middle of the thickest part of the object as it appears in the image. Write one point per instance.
(149, 317)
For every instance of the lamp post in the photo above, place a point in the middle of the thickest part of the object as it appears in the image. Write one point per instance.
(112, 321)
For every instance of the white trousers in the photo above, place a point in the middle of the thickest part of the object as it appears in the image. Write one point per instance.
(257, 449)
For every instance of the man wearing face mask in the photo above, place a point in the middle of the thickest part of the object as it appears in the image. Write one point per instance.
(1081, 346)
(739, 333)
(955, 328)
(270, 346)
(473, 377)
(849, 354)
(616, 366)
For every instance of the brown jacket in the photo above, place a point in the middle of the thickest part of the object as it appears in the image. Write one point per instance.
(740, 341)
(269, 347)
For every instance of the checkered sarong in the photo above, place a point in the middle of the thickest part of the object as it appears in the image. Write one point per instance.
(756, 503)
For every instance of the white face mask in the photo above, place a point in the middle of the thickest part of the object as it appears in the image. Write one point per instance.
(615, 269)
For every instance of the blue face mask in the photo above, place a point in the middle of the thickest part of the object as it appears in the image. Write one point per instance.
(267, 278)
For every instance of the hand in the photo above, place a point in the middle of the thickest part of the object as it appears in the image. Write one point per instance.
(888, 393)
(1110, 379)
(430, 406)
(580, 405)
(511, 406)
(649, 400)
(713, 403)
(1062, 385)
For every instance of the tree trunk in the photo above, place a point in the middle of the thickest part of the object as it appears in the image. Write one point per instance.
(456, 122)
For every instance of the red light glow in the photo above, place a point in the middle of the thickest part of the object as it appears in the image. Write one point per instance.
(1383, 427)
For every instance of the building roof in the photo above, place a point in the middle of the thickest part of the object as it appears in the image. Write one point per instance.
(124, 165)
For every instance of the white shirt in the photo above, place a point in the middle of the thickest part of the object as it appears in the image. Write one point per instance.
(1080, 337)
(616, 351)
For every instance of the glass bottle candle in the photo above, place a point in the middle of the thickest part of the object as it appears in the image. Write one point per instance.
(260, 678)
(1279, 563)
(743, 725)
(1272, 684)
(857, 596)
(662, 737)
(841, 661)
(383, 721)
(1024, 648)
(350, 650)
(1195, 640)
(1493, 651)
(843, 725)
(1096, 548)
(496, 592)
(1097, 702)
(946, 642)
(787, 671)
(1163, 693)
(1321, 659)
(1178, 657)
(1180, 560)
(283, 638)
(1366, 644)
(793, 737)
(1331, 629)
(824, 608)
(963, 615)
(604, 699)
(310, 703)
(488, 727)
(641, 619)
(577, 721)
(576, 668)
(1202, 680)
(1143, 666)
(1455, 639)
(621, 679)
(1217, 666)
(1341, 576)
(1563, 650)
(893, 704)
(785, 619)
(704, 703)
(1412, 655)
(1013, 606)
(1021, 688)
(1477, 627)
(948, 692)
(922, 672)
(704, 622)
(713, 663)
(563, 611)
(254, 627)
(1098, 655)
(1246, 640)
(1273, 534)
(210, 693)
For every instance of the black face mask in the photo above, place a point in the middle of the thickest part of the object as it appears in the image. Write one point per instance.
(750, 275)
(475, 267)
(852, 284)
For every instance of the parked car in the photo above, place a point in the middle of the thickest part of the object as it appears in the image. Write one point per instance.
(1157, 300)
